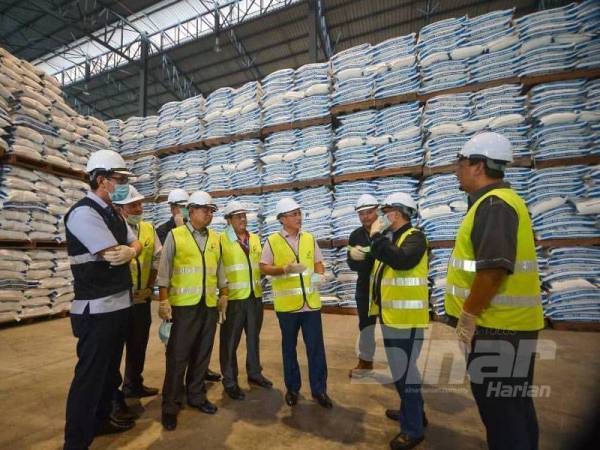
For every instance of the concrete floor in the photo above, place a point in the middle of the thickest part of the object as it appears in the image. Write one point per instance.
(38, 360)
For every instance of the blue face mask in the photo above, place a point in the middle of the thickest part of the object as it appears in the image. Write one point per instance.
(120, 193)
(386, 222)
(185, 213)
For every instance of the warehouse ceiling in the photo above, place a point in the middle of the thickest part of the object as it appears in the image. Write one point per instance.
(37, 30)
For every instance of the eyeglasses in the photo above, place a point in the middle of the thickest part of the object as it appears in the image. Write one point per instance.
(118, 179)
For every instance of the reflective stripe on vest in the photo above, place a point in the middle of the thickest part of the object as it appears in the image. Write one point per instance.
(404, 304)
(242, 271)
(517, 305)
(194, 271)
(291, 292)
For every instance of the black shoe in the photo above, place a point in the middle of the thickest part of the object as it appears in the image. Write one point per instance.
(323, 400)
(212, 376)
(404, 442)
(110, 426)
(261, 381)
(143, 391)
(235, 392)
(169, 421)
(121, 413)
(291, 398)
(394, 414)
(206, 407)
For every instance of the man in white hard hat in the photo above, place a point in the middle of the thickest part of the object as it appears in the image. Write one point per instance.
(144, 269)
(493, 293)
(294, 261)
(399, 297)
(241, 251)
(360, 260)
(100, 246)
(192, 288)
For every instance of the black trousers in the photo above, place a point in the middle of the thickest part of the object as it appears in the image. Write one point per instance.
(242, 315)
(501, 368)
(135, 346)
(366, 325)
(189, 347)
(99, 350)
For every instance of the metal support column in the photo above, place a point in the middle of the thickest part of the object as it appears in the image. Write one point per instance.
(143, 100)
(313, 50)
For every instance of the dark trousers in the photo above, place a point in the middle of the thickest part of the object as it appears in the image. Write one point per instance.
(312, 333)
(510, 420)
(99, 350)
(242, 315)
(402, 348)
(189, 347)
(366, 325)
(135, 346)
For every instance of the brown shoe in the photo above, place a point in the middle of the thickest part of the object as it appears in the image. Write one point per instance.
(362, 369)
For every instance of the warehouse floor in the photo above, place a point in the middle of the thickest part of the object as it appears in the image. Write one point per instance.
(37, 365)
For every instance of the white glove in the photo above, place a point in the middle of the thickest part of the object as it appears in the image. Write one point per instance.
(357, 254)
(120, 255)
(315, 279)
(294, 268)
(164, 310)
(465, 328)
(377, 227)
(141, 295)
(178, 218)
(222, 307)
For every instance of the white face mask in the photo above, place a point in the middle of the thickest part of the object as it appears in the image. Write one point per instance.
(386, 222)
(134, 219)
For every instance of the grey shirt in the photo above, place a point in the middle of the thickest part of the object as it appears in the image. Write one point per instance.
(89, 227)
(165, 268)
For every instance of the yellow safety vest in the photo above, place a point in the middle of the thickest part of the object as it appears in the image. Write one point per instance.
(517, 305)
(194, 271)
(292, 291)
(142, 264)
(403, 294)
(242, 271)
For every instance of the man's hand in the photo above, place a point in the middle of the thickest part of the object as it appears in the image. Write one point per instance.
(119, 255)
(357, 253)
(178, 218)
(222, 307)
(377, 226)
(294, 268)
(465, 329)
(164, 310)
(141, 295)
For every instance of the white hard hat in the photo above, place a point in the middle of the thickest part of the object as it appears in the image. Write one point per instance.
(400, 199)
(366, 201)
(489, 145)
(132, 196)
(285, 205)
(107, 160)
(178, 196)
(201, 198)
(234, 207)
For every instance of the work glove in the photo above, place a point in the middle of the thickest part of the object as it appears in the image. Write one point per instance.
(142, 295)
(164, 310)
(377, 227)
(465, 329)
(178, 218)
(357, 253)
(222, 307)
(294, 268)
(316, 278)
(120, 255)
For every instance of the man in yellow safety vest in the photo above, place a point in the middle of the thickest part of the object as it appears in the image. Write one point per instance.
(493, 294)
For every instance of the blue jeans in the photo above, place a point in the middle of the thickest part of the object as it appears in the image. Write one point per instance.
(403, 347)
(312, 333)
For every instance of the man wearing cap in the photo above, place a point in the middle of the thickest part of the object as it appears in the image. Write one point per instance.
(293, 259)
(193, 289)
(144, 269)
(360, 260)
(100, 246)
(399, 297)
(241, 252)
(493, 294)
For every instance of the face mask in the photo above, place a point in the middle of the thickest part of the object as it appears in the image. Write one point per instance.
(120, 193)
(185, 213)
(386, 222)
(134, 219)
(231, 233)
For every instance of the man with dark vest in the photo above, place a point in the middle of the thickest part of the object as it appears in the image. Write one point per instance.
(100, 246)
(493, 294)
(241, 252)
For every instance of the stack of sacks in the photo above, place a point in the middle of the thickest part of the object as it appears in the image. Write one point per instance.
(5, 123)
(278, 97)
(312, 80)
(216, 116)
(115, 130)
(13, 283)
(219, 223)
(149, 213)
(62, 292)
(328, 284)
(172, 172)
(566, 124)
(353, 80)
(268, 203)
(588, 51)
(169, 125)
(316, 204)
(355, 152)
(443, 65)
(395, 67)
(589, 203)
(94, 133)
(345, 279)
(50, 190)
(161, 213)
(132, 136)
(441, 207)
(191, 111)
(344, 218)
(386, 186)
(278, 158)
(245, 115)
(518, 178)
(438, 270)
(194, 163)
(553, 216)
(218, 173)
(398, 136)
(573, 284)
(314, 143)
(244, 154)
(146, 170)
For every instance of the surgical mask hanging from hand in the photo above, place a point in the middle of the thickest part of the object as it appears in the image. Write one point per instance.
(120, 193)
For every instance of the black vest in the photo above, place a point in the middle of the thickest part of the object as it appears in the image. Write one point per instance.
(97, 279)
